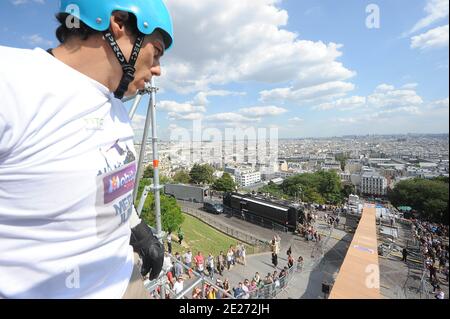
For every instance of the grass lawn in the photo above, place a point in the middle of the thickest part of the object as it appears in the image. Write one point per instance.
(199, 236)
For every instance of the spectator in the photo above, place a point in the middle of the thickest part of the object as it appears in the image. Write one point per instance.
(178, 268)
(275, 247)
(178, 286)
(199, 263)
(220, 263)
(243, 255)
(219, 293)
(238, 254)
(233, 255)
(167, 263)
(170, 279)
(253, 286)
(211, 292)
(245, 290)
(226, 287)
(283, 272)
(257, 278)
(405, 254)
(197, 293)
(210, 266)
(229, 258)
(289, 251)
(274, 260)
(290, 261)
(188, 262)
(276, 279)
(238, 291)
(432, 270)
(268, 280)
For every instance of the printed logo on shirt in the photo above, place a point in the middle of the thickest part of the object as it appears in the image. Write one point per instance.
(118, 184)
(94, 124)
(115, 184)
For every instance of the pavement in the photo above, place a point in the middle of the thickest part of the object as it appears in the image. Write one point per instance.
(405, 280)
(321, 264)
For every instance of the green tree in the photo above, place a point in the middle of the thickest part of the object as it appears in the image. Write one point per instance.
(182, 177)
(342, 158)
(202, 174)
(148, 172)
(171, 214)
(224, 184)
(347, 190)
(273, 189)
(428, 197)
(319, 187)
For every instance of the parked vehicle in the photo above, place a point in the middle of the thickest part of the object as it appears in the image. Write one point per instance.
(191, 193)
(213, 208)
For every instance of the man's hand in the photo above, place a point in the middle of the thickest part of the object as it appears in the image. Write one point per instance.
(149, 249)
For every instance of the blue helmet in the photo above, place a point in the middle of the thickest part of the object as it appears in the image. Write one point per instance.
(151, 14)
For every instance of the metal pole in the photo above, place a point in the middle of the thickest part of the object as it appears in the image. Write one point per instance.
(135, 105)
(140, 167)
(157, 187)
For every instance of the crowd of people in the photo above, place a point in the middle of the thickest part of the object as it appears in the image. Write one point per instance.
(433, 239)
(180, 267)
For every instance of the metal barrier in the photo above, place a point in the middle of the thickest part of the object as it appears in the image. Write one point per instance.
(268, 291)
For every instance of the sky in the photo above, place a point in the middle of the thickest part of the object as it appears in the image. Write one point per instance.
(308, 68)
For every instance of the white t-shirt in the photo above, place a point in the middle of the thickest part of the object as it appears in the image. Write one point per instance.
(67, 169)
(178, 287)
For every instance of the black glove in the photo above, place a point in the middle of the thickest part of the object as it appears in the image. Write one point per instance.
(149, 249)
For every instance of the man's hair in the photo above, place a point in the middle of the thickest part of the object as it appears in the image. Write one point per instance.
(83, 32)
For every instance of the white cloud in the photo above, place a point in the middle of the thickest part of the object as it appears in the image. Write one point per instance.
(232, 41)
(230, 118)
(351, 103)
(310, 94)
(440, 104)
(394, 99)
(175, 107)
(296, 120)
(185, 117)
(384, 88)
(262, 111)
(436, 10)
(138, 122)
(385, 102)
(202, 97)
(410, 86)
(36, 40)
(435, 38)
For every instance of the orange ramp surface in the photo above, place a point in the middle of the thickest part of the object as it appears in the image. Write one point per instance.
(359, 275)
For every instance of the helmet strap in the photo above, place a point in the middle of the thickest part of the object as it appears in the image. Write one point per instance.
(127, 66)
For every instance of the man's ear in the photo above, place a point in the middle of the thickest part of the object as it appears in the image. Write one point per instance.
(117, 23)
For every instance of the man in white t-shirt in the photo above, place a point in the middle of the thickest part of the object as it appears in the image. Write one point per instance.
(178, 286)
(68, 227)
